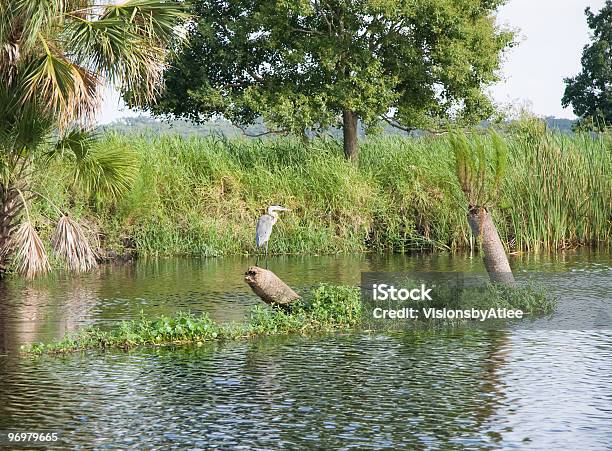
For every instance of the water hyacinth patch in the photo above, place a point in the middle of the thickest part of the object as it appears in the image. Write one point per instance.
(327, 308)
(330, 308)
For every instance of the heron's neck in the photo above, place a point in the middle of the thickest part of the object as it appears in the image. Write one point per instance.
(274, 216)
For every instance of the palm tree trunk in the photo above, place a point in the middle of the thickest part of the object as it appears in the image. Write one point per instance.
(349, 129)
(495, 259)
(10, 208)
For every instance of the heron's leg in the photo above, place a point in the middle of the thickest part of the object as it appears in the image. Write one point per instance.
(266, 255)
(257, 258)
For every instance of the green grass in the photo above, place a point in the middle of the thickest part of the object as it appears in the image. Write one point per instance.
(202, 197)
(326, 308)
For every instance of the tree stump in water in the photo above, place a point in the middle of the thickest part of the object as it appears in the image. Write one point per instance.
(495, 258)
(269, 287)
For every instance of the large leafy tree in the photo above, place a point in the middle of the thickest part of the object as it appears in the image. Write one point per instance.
(310, 64)
(55, 56)
(590, 92)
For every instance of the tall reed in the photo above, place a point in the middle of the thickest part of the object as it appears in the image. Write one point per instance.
(203, 196)
(559, 192)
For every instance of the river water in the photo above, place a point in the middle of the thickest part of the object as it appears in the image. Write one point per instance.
(543, 388)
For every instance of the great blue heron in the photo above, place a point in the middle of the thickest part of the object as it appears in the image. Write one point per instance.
(264, 228)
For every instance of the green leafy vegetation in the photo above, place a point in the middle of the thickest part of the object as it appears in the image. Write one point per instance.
(307, 66)
(529, 298)
(55, 58)
(590, 92)
(326, 308)
(202, 197)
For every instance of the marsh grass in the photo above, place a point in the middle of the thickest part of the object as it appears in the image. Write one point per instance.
(566, 199)
(202, 197)
(327, 308)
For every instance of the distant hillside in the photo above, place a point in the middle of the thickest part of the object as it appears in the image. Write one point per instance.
(145, 125)
(563, 125)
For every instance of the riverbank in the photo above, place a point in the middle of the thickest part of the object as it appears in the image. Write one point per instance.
(202, 197)
(326, 308)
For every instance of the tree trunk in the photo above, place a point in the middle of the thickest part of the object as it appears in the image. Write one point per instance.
(349, 129)
(269, 287)
(495, 258)
(10, 208)
(305, 138)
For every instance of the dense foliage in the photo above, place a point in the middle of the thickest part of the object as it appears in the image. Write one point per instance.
(590, 92)
(203, 196)
(308, 65)
(55, 57)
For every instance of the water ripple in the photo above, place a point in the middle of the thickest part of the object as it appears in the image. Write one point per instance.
(484, 390)
(469, 390)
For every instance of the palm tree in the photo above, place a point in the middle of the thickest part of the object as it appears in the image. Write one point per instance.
(55, 58)
(479, 166)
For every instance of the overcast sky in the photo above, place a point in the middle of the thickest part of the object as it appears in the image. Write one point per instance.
(552, 35)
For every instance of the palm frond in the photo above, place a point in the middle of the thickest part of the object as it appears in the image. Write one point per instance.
(32, 17)
(127, 44)
(77, 141)
(112, 172)
(153, 19)
(465, 166)
(98, 170)
(500, 159)
(480, 161)
(70, 243)
(479, 165)
(22, 125)
(68, 90)
(58, 53)
(29, 256)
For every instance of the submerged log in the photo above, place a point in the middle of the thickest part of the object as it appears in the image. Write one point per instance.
(269, 287)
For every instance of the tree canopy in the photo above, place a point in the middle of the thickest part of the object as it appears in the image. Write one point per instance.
(590, 92)
(310, 65)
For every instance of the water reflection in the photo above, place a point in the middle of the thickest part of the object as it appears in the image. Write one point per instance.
(475, 390)
(415, 390)
(44, 309)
